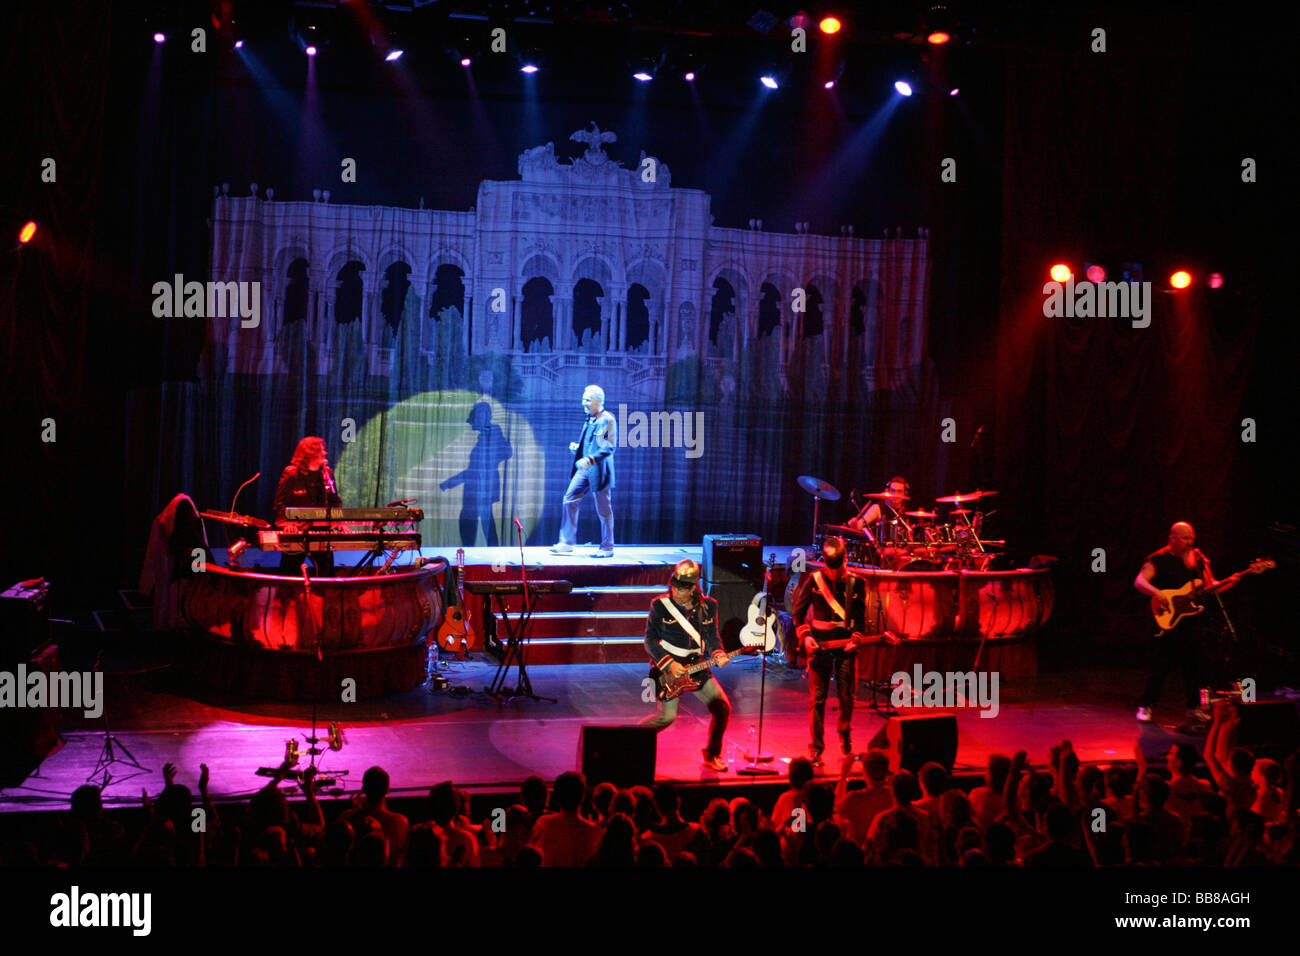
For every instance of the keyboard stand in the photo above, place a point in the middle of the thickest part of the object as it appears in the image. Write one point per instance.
(516, 649)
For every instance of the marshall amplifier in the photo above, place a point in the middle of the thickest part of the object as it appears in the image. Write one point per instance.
(733, 559)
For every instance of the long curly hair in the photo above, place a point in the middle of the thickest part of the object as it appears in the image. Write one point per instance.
(309, 448)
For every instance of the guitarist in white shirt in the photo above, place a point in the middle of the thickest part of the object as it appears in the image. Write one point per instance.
(1182, 646)
(681, 624)
(830, 610)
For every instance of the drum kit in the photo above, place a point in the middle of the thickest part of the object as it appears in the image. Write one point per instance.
(918, 540)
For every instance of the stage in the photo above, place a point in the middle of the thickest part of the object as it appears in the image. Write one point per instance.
(461, 734)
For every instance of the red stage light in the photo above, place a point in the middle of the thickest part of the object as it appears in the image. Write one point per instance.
(830, 25)
(1060, 272)
(27, 232)
(1216, 280)
(938, 38)
(1180, 279)
(1096, 274)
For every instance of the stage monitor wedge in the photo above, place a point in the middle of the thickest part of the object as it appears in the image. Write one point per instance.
(624, 755)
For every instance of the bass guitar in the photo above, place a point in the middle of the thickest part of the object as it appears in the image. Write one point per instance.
(668, 687)
(855, 641)
(1186, 600)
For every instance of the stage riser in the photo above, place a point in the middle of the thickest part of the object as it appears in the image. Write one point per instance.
(576, 628)
(586, 652)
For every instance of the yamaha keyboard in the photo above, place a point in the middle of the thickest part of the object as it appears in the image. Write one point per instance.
(515, 587)
(346, 515)
(324, 540)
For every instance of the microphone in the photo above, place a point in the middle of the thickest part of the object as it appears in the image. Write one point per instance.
(329, 479)
(241, 488)
(398, 504)
(518, 524)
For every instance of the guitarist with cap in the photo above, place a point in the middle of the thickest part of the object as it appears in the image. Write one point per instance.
(830, 611)
(1170, 568)
(683, 626)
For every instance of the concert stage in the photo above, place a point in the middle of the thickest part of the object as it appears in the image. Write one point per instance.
(461, 734)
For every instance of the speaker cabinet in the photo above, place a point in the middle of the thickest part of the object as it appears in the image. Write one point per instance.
(913, 740)
(24, 622)
(733, 559)
(1269, 728)
(733, 600)
(623, 755)
(29, 734)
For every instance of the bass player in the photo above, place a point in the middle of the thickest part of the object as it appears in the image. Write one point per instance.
(830, 610)
(1182, 646)
(683, 625)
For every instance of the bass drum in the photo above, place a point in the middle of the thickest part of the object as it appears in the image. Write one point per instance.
(921, 564)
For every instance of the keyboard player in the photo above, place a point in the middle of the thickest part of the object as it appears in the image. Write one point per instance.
(306, 483)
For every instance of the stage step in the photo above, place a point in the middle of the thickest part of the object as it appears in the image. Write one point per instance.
(586, 650)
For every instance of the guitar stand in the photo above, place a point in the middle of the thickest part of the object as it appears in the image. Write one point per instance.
(516, 647)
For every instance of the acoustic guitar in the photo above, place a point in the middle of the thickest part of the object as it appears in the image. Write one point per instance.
(453, 632)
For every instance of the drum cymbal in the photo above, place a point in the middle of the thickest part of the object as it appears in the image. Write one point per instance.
(230, 517)
(961, 511)
(819, 488)
(920, 514)
(961, 499)
(884, 496)
(844, 531)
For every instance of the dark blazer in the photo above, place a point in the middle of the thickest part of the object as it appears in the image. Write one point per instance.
(606, 427)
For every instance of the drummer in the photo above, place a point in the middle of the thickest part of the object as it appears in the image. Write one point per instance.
(897, 491)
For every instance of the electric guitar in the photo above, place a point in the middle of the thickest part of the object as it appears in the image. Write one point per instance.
(1186, 600)
(668, 687)
(453, 632)
(856, 640)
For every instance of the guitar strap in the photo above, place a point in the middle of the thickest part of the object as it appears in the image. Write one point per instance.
(687, 626)
(829, 597)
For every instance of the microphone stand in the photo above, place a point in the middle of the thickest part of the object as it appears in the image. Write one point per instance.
(752, 769)
(238, 491)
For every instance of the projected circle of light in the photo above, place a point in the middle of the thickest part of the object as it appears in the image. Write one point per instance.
(310, 51)
(768, 81)
(938, 38)
(1060, 272)
(689, 77)
(528, 68)
(417, 444)
(830, 25)
(27, 233)
(1180, 279)
(1096, 273)
(159, 38)
(903, 87)
(1216, 280)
